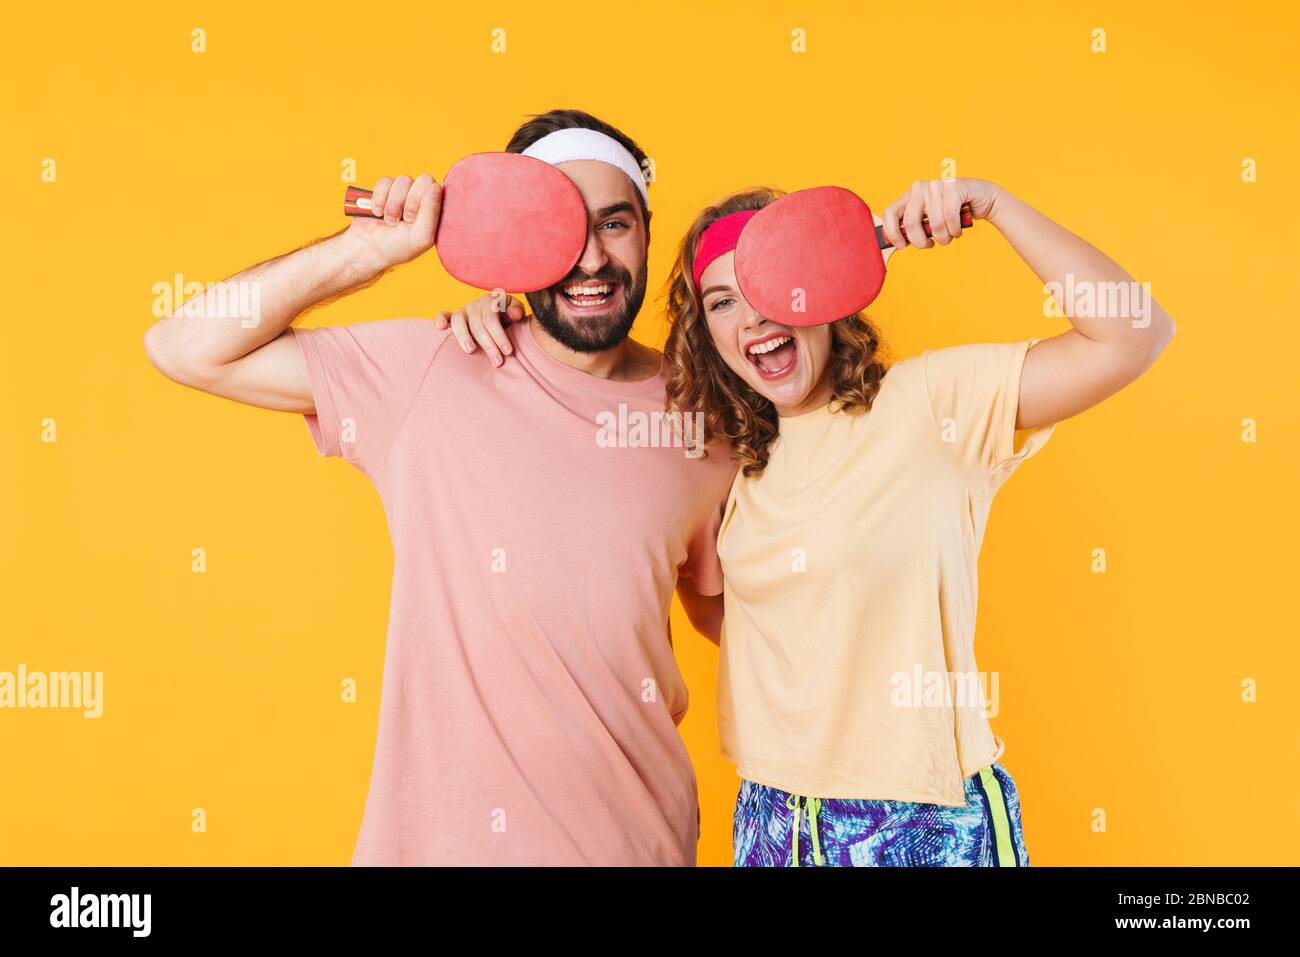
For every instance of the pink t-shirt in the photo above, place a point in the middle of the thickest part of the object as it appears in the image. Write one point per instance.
(530, 696)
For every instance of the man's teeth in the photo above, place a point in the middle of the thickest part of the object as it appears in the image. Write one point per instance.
(598, 289)
(768, 346)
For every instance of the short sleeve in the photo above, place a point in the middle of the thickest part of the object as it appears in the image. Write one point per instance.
(702, 565)
(974, 393)
(364, 379)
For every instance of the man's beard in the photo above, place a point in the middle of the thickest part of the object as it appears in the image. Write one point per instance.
(593, 333)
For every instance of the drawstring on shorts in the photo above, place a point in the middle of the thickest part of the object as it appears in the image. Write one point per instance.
(812, 805)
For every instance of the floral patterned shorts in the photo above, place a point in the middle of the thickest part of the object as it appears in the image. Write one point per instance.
(773, 828)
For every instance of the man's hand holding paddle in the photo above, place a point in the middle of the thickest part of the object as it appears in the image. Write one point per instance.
(403, 220)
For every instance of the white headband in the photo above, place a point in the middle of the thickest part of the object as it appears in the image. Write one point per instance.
(563, 146)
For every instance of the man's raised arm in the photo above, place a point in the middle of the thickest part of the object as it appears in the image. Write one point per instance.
(234, 340)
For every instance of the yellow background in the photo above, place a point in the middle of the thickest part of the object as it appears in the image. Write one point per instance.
(1119, 691)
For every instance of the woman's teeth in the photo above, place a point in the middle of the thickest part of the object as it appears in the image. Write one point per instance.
(768, 346)
(773, 357)
(589, 293)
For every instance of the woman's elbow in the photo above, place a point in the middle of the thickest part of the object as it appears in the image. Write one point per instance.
(1155, 338)
(1165, 334)
(1168, 328)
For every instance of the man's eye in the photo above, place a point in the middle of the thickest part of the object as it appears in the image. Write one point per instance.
(618, 223)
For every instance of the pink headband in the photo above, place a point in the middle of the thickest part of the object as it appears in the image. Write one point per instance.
(719, 239)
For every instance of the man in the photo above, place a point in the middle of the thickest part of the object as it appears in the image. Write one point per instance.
(530, 696)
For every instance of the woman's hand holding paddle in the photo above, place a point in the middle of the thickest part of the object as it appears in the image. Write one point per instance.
(938, 201)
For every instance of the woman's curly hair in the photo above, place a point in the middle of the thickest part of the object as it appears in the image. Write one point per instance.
(699, 381)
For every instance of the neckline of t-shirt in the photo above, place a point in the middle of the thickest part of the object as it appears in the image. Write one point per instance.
(804, 420)
(525, 340)
(823, 412)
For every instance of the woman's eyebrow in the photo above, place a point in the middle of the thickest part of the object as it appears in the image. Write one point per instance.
(715, 289)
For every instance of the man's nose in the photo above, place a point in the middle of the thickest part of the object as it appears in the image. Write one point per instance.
(593, 258)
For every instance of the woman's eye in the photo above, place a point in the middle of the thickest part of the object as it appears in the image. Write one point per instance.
(719, 303)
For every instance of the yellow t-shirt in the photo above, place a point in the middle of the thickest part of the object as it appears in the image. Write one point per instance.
(850, 565)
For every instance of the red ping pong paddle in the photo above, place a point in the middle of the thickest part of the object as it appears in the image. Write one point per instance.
(508, 221)
(815, 256)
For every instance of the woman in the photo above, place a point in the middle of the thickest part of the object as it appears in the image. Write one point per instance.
(849, 697)
(850, 541)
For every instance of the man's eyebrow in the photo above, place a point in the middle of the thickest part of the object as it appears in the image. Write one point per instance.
(616, 208)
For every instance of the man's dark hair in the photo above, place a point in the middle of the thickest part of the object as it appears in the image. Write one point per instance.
(543, 123)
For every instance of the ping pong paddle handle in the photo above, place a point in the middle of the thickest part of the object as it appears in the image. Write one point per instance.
(356, 202)
(967, 220)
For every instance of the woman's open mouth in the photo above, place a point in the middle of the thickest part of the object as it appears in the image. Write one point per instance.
(773, 357)
(589, 295)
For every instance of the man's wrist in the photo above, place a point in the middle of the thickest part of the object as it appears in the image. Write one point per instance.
(360, 260)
